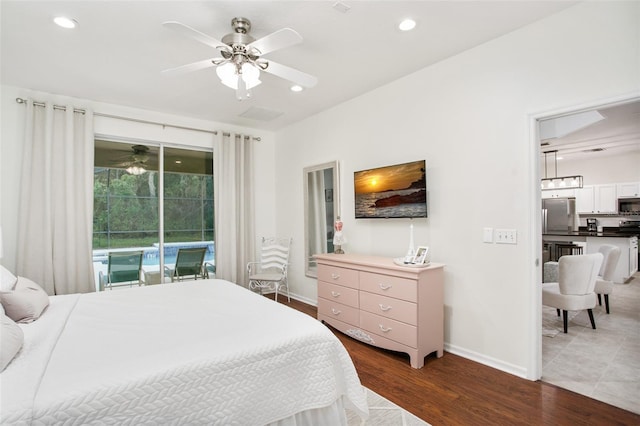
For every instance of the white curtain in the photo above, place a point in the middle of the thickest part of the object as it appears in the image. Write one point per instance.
(317, 213)
(234, 206)
(55, 213)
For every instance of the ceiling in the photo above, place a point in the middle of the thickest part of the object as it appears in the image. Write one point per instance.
(606, 131)
(119, 48)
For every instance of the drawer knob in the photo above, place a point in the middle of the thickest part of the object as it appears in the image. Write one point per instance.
(384, 308)
(383, 329)
(385, 286)
(335, 276)
(335, 311)
(335, 294)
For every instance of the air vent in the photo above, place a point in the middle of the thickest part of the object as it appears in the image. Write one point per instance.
(594, 150)
(261, 114)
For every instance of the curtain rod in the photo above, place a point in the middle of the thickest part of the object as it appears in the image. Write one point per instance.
(81, 111)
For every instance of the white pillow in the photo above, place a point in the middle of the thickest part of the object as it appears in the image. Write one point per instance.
(26, 302)
(12, 338)
(7, 279)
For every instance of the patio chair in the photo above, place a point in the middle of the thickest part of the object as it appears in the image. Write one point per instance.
(189, 262)
(123, 267)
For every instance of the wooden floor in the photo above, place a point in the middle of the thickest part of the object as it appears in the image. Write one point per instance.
(456, 391)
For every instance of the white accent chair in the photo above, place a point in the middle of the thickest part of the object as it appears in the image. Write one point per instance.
(604, 281)
(574, 290)
(271, 271)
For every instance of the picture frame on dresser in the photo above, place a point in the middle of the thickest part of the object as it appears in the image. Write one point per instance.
(421, 255)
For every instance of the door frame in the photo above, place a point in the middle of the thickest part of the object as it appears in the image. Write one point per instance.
(534, 366)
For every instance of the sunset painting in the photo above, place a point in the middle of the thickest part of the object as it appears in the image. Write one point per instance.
(392, 191)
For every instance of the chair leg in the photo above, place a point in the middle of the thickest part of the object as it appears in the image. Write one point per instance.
(599, 299)
(593, 322)
(606, 302)
(558, 311)
(565, 319)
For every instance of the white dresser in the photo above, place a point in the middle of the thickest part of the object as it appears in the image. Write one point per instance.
(378, 302)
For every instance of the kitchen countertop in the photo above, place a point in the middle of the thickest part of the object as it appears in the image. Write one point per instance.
(606, 232)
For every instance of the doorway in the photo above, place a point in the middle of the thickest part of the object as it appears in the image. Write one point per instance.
(596, 143)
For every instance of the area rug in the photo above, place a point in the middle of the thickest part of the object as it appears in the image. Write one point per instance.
(383, 412)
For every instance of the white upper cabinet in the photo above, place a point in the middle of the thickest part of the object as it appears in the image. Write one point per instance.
(558, 193)
(628, 190)
(585, 199)
(597, 199)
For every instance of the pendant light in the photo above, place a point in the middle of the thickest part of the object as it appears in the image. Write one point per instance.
(558, 182)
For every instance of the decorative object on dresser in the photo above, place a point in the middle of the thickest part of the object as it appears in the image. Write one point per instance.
(372, 299)
(338, 237)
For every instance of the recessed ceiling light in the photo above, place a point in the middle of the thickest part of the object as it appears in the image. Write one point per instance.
(178, 162)
(296, 88)
(65, 22)
(407, 25)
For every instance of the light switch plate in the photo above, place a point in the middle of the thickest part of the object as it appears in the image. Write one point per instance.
(506, 236)
(487, 235)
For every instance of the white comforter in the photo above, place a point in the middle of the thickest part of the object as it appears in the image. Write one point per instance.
(203, 352)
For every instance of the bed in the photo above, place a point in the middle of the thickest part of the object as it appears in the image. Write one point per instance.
(199, 352)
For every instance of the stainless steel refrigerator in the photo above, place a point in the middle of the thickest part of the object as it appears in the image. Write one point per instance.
(559, 215)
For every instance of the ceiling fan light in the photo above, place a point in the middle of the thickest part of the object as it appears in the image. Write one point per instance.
(227, 75)
(250, 75)
(136, 170)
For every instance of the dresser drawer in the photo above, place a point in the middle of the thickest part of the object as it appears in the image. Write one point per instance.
(389, 307)
(336, 275)
(391, 329)
(399, 288)
(337, 293)
(338, 311)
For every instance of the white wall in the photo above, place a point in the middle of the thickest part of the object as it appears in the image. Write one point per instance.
(601, 170)
(470, 117)
(12, 120)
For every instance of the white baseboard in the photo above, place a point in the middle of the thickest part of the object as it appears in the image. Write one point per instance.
(488, 361)
(296, 297)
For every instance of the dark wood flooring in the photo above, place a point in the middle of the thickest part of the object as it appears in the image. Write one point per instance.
(456, 391)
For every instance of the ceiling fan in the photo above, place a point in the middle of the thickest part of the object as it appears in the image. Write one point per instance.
(135, 163)
(242, 56)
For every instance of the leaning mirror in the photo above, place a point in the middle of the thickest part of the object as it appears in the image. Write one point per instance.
(321, 207)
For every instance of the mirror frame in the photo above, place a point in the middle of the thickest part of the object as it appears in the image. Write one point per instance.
(309, 266)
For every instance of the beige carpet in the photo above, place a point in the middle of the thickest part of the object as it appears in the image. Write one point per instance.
(383, 412)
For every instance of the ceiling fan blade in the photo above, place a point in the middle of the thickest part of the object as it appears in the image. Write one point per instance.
(194, 34)
(278, 40)
(291, 74)
(195, 66)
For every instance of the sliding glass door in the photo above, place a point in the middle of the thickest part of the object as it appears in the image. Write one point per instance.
(152, 199)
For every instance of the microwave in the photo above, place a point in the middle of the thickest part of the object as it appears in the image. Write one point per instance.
(629, 206)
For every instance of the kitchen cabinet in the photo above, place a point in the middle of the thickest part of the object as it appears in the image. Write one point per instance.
(558, 193)
(628, 262)
(597, 199)
(628, 190)
(372, 299)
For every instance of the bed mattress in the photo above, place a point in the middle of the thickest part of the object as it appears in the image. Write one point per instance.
(200, 352)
